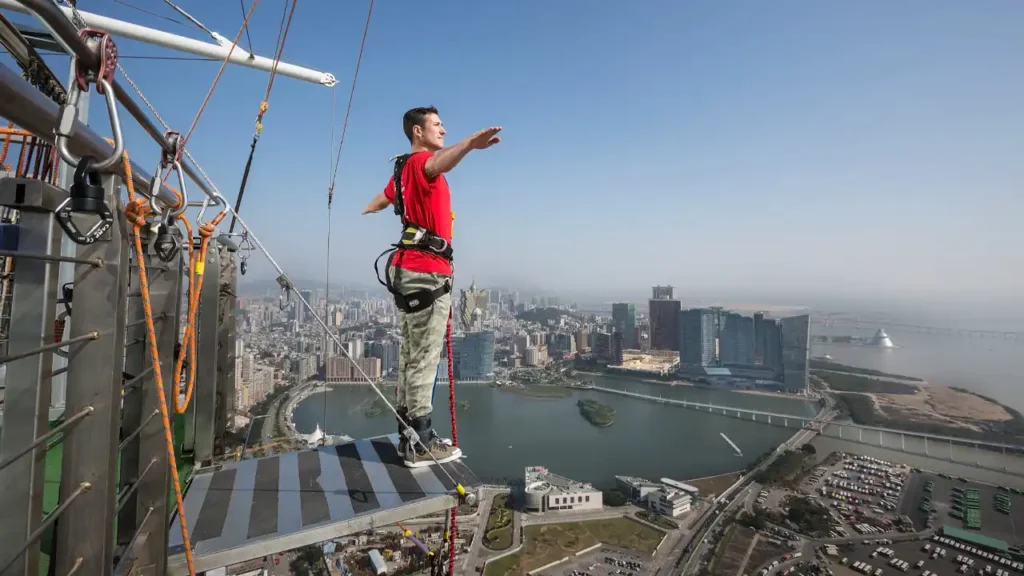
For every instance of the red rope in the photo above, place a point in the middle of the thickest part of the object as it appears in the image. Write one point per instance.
(451, 381)
(455, 438)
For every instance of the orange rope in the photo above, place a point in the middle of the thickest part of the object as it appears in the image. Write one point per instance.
(197, 267)
(135, 212)
(8, 133)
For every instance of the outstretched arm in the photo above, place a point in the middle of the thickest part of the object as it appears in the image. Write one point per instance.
(379, 202)
(446, 159)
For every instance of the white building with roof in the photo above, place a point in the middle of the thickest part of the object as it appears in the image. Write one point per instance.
(546, 491)
(669, 501)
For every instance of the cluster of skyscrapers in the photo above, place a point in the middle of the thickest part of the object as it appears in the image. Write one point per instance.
(717, 343)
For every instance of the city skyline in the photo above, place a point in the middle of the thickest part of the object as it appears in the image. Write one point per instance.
(875, 170)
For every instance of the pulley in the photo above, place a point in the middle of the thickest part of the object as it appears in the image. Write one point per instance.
(166, 245)
(286, 290)
(87, 197)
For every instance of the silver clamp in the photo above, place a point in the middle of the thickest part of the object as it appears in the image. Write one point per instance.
(286, 291)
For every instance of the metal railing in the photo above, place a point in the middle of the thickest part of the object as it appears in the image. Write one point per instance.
(114, 465)
(113, 509)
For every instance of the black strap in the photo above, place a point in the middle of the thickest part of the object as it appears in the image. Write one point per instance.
(245, 180)
(399, 202)
(419, 238)
(414, 237)
(414, 301)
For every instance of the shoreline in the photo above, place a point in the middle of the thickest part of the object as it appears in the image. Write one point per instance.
(673, 383)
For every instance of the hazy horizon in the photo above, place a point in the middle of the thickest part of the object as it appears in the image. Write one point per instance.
(776, 153)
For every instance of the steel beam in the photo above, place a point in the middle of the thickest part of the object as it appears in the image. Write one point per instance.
(28, 108)
(85, 535)
(167, 40)
(27, 399)
(225, 343)
(204, 398)
(151, 506)
(131, 410)
(65, 176)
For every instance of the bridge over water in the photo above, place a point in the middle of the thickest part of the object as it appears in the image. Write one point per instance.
(976, 453)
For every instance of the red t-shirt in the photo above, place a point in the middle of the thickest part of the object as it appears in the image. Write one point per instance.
(428, 203)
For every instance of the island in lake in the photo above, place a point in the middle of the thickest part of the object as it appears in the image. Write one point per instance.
(596, 413)
(462, 404)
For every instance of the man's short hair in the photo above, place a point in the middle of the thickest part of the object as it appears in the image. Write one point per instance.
(416, 117)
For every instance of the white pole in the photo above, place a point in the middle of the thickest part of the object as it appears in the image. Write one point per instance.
(185, 44)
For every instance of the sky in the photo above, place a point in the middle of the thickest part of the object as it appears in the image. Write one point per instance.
(776, 151)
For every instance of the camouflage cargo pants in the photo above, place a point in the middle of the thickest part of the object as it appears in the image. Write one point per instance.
(422, 342)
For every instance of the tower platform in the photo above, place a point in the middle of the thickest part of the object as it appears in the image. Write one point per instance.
(258, 507)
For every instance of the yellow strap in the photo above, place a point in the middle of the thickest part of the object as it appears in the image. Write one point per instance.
(200, 267)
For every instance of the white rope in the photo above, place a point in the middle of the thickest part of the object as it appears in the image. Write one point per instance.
(216, 37)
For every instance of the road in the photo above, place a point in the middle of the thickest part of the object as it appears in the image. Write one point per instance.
(477, 552)
(483, 510)
(726, 504)
(561, 517)
(267, 433)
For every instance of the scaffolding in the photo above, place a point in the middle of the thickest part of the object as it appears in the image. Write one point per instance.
(113, 512)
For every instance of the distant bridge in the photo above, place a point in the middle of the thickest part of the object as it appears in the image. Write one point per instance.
(835, 321)
(742, 413)
(877, 436)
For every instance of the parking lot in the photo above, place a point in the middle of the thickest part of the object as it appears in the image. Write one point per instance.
(994, 523)
(604, 561)
(862, 494)
(940, 558)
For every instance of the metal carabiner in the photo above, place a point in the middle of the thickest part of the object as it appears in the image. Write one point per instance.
(156, 183)
(103, 79)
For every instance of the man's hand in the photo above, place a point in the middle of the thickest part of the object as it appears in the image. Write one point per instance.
(485, 138)
(446, 159)
(379, 202)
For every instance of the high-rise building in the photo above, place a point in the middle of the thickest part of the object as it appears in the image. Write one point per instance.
(602, 345)
(386, 351)
(624, 322)
(664, 312)
(796, 347)
(582, 341)
(522, 342)
(772, 345)
(561, 342)
(735, 338)
(760, 334)
(301, 313)
(342, 369)
(473, 308)
(617, 344)
(473, 356)
(531, 356)
(697, 337)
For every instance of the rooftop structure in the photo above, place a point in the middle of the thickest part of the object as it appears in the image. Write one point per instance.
(668, 501)
(548, 491)
(680, 486)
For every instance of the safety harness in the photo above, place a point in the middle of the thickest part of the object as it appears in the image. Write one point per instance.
(414, 237)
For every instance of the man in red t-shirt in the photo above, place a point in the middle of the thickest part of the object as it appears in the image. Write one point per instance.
(426, 203)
